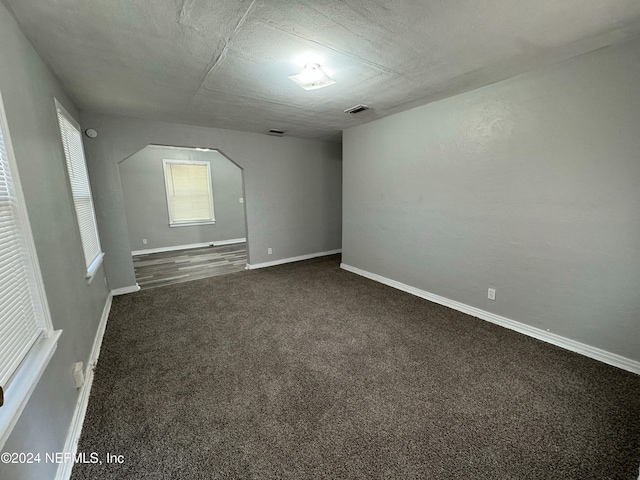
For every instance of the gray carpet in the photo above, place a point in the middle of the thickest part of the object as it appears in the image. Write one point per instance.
(307, 371)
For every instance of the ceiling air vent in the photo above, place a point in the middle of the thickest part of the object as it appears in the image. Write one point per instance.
(275, 132)
(356, 109)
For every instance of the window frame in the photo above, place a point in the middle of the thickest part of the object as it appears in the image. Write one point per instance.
(93, 266)
(188, 223)
(27, 374)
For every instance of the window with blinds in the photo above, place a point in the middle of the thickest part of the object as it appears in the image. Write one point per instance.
(23, 314)
(189, 195)
(81, 190)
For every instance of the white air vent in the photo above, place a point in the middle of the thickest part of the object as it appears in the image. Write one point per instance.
(275, 132)
(356, 109)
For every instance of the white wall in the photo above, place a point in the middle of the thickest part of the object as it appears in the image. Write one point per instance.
(293, 186)
(28, 89)
(531, 186)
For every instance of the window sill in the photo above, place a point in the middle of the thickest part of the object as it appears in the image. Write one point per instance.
(93, 268)
(192, 224)
(24, 383)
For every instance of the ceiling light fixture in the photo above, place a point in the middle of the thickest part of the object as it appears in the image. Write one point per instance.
(312, 77)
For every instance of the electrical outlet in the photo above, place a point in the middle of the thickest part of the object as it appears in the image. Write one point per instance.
(269, 250)
(78, 374)
(144, 241)
(491, 295)
(241, 200)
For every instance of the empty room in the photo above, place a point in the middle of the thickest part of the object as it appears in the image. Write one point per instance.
(350, 239)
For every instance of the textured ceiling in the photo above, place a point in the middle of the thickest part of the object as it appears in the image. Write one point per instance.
(225, 63)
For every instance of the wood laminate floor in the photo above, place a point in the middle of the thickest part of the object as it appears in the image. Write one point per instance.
(158, 269)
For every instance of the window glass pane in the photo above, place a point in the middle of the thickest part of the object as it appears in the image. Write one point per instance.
(19, 327)
(189, 191)
(79, 179)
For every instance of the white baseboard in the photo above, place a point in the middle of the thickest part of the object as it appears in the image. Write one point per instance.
(216, 243)
(581, 348)
(232, 241)
(73, 436)
(123, 290)
(170, 249)
(292, 259)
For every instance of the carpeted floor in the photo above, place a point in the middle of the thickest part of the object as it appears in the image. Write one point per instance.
(307, 371)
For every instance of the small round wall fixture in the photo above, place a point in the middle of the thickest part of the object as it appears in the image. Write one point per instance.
(91, 133)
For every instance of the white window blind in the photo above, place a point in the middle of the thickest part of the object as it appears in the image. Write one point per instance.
(77, 171)
(189, 196)
(21, 309)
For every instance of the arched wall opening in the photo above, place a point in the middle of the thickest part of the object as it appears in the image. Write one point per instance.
(146, 182)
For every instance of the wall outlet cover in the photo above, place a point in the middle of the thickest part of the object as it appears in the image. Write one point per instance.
(78, 374)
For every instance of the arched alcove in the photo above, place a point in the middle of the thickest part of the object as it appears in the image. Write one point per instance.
(147, 179)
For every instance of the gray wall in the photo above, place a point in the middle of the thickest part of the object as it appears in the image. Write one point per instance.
(28, 89)
(145, 199)
(531, 186)
(293, 186)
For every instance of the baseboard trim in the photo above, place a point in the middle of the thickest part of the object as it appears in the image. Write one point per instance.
(170, 249)
(124, 290)
(566, 343)
(216, 243)
(292, 259)
(232, 241)
(73, 436)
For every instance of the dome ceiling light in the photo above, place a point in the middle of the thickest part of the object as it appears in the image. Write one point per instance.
(312, 77)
